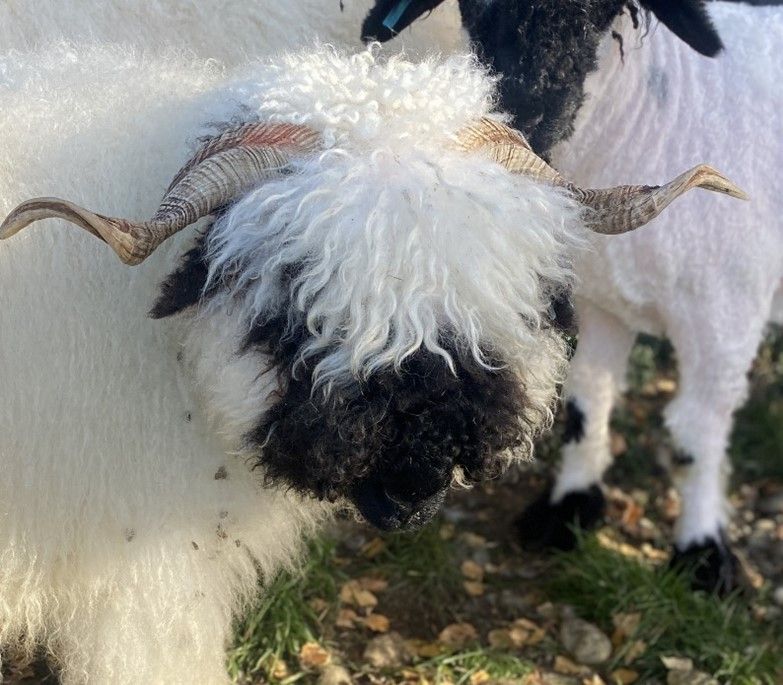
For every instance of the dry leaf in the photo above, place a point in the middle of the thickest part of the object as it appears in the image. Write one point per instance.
(526, 633)
(474, 588)
(625, 626)
(547, 610)
(378, 623)
(279, 669)
(346, 618)
(618, 445)
(653, 553)
(353, 593)
(457, 635)
(471, 570)
(446, 531)
(312, 655)
(474, 540)
(318, 604)
(595, 680)
(635, 651)
(426, 650)
(500, 638)
(373, 548)
(373, 584)
(565, 666)
(624, 676)
(479, 678)
(621, 547)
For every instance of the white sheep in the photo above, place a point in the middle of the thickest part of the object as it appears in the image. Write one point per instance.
(709, 277)
(363, 321)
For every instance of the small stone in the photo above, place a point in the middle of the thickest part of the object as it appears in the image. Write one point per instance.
(557, 679)
(387, 651)
(677, 663)
(335, 675)
(547, 610)
(777, 595)
(765, 525)
(689, 678)
(585, 641)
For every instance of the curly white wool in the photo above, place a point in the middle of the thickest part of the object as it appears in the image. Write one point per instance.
(396, 240)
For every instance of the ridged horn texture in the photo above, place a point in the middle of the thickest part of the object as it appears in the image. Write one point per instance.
(625, 208)
(612, 210)
(222, 168)
(507, 147)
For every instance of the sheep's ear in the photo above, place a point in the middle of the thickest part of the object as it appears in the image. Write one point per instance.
(388, 17)
(690, 21)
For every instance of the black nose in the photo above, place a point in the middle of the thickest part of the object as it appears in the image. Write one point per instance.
(389, 511)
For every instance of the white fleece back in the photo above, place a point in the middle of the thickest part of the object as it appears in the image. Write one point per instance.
(118, 545)
(665, 110)
(129, 534)
(231, 31)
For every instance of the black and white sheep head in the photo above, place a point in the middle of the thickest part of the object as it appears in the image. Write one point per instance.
(544, 50)
(366, 309)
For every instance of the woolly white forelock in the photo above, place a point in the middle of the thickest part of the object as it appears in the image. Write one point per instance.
(395, 239)
(364, 99)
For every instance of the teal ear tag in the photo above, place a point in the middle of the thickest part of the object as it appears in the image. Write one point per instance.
(394, 16)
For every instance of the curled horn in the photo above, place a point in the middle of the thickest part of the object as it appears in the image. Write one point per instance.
(222, 168)
(612, 210)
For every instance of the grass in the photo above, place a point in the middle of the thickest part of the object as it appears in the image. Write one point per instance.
(720, 636)
(424, 561)
(757, 441)
(460, 667)
(285, 619)
(425, 584)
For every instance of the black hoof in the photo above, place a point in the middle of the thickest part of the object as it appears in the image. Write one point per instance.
(544, 524)
(711, 567)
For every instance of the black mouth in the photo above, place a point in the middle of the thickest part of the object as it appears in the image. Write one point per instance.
(389, 512)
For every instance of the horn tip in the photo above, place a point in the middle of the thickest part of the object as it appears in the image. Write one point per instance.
(712, 179)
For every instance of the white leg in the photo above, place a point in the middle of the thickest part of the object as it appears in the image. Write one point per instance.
(715, 351)
(596, 376)
(713, 385)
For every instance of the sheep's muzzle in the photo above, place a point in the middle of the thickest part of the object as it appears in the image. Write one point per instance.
(392, 444)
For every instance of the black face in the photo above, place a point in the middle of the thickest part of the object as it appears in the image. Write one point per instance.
(544, 49)
(389, 443)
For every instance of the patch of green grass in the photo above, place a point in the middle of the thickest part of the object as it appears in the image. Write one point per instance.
(649, 357)
(458, 668)
(425, 561)
(284, 619)
(757, 440)
(719, 635)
